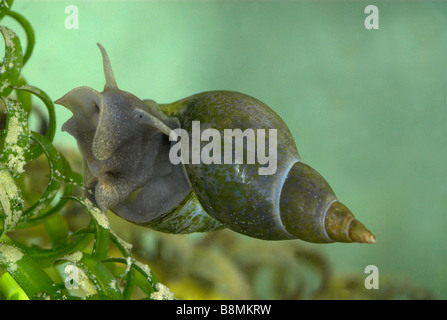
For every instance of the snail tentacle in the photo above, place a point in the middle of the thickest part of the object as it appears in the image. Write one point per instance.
(108, 71)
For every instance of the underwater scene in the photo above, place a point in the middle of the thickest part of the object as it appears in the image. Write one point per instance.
(223, 150)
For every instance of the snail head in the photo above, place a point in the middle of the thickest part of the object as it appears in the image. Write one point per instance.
(116, 132)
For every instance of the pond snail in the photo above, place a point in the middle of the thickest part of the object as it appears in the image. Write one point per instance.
(126, 142)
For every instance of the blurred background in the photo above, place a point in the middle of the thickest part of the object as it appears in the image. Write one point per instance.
(367, 109)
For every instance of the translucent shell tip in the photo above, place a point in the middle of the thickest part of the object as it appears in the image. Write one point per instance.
(342, 226)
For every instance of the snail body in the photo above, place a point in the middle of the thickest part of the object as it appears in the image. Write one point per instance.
(127, 143)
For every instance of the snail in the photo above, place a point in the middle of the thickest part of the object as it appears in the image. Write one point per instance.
(126, 144)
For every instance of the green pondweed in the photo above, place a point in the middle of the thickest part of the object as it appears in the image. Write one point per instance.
(77, 264)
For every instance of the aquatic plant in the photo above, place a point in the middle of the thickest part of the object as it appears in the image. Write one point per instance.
(65, 264)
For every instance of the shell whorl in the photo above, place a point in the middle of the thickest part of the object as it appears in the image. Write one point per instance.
(342, 226)
(311, 211)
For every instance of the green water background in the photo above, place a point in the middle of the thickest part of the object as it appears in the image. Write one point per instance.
(367, 107)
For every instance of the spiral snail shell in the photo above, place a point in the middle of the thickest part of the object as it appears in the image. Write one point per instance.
(126, 142)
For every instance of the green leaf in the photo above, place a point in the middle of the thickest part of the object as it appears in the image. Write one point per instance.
(10, 288)
(57, 228)
(12, 61)
(24, 97)
(130, 284)
(10, 200)
(46, 257)
(56, 167)
(30, 38)
(37, 150)
(5, 5)
(28, 275)
(102, 228)
(144, 278)
(100, 280)
(16, 142)
(70, 178)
